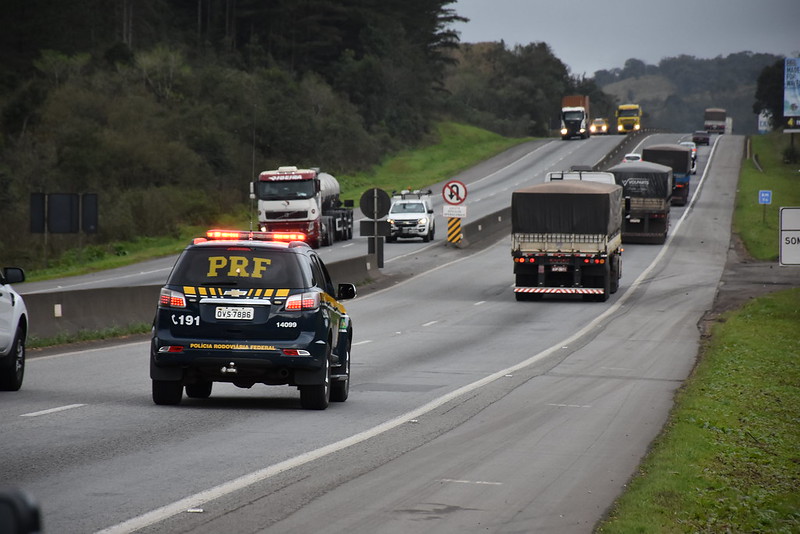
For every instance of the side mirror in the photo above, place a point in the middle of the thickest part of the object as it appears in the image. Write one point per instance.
(13, 275)
(346, 292)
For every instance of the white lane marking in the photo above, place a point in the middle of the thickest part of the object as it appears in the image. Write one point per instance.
(52, 410)
(84, 351)
(361, 342)
(198, 499)
(478, 482)
(430, 323)
(100, 280)
(479, 303)
(570, 405)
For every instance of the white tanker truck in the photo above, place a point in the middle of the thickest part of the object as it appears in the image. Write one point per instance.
(306, 201)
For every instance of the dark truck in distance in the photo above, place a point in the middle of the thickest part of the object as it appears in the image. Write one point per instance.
(647, 188)
(679, 159)
(566, 239)
(701, 137)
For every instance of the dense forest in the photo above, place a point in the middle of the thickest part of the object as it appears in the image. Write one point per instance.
(166, 109)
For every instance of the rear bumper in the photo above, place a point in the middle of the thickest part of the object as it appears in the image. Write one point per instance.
(238, 361)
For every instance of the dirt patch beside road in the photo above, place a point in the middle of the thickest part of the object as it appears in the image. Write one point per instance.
(745, 278)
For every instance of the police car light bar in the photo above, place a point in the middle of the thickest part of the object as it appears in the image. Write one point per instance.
(246, 235)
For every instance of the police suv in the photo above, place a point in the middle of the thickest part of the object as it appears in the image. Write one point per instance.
(411, 215)
(248, 308)
(13, 330)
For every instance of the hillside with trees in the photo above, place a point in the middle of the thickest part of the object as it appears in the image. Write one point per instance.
(674, 93)
(167, 109)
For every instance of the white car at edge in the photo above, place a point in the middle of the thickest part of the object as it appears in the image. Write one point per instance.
(13, 330)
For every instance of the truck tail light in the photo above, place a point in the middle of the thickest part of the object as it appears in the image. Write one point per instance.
(302, 301)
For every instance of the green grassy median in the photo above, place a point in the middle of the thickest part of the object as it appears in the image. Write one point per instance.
(729, 458)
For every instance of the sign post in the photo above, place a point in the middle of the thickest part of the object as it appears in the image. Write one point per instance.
(375, 204)
(454, 194)
(765, 199)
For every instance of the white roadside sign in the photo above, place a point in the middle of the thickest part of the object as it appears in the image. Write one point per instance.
(454, 212)
(790, 236)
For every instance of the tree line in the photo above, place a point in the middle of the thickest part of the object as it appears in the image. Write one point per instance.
(168, 108)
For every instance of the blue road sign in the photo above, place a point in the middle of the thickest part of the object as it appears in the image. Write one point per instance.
(765, 196)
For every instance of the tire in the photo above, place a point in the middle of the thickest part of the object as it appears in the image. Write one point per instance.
(318, 396)
(340, 389)
(615, 266)
(167, 392)
(426, 237)
(607, 272)
(200, 390)
(13, 372)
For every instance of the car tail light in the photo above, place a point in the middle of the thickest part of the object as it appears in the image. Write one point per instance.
(302, 301)
(171, 299)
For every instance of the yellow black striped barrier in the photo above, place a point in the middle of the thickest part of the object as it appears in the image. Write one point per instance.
(454, 230)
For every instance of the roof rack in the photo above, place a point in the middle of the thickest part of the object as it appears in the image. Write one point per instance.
(407, 193)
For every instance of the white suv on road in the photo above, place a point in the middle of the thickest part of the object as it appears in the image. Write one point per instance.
(13, 330)
(411, 215)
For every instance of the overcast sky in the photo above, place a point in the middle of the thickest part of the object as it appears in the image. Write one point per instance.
(590, 35)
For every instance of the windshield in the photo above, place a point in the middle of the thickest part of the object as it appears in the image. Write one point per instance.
(408, 207)
(285, 189)
(241, 267)
(573, 115)
(628, 113)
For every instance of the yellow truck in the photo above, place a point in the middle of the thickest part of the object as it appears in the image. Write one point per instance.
(629, 118)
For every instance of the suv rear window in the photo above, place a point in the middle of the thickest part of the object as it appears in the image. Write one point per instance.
(243, 267)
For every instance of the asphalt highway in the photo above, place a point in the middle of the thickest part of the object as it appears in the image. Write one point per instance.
(468, 411)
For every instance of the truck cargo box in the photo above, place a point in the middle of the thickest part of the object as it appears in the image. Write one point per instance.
(644, 179)
(677, 157)
(567, 207)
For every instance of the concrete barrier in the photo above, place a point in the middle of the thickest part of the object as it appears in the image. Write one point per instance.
(70, 312)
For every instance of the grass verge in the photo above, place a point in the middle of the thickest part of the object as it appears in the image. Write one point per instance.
(758, 224)
(89, 335)
(728, 460)
(459, 147)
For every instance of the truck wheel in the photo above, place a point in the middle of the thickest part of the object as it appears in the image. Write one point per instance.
(318, 396)
(606, 281)
(615, 265)
(166, 392)
(11, 374)
(200, 390)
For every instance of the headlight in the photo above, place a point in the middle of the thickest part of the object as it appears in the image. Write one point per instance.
(592, 129)
(563, 131)
(422, 220)
(636, 126)
(390, 221)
